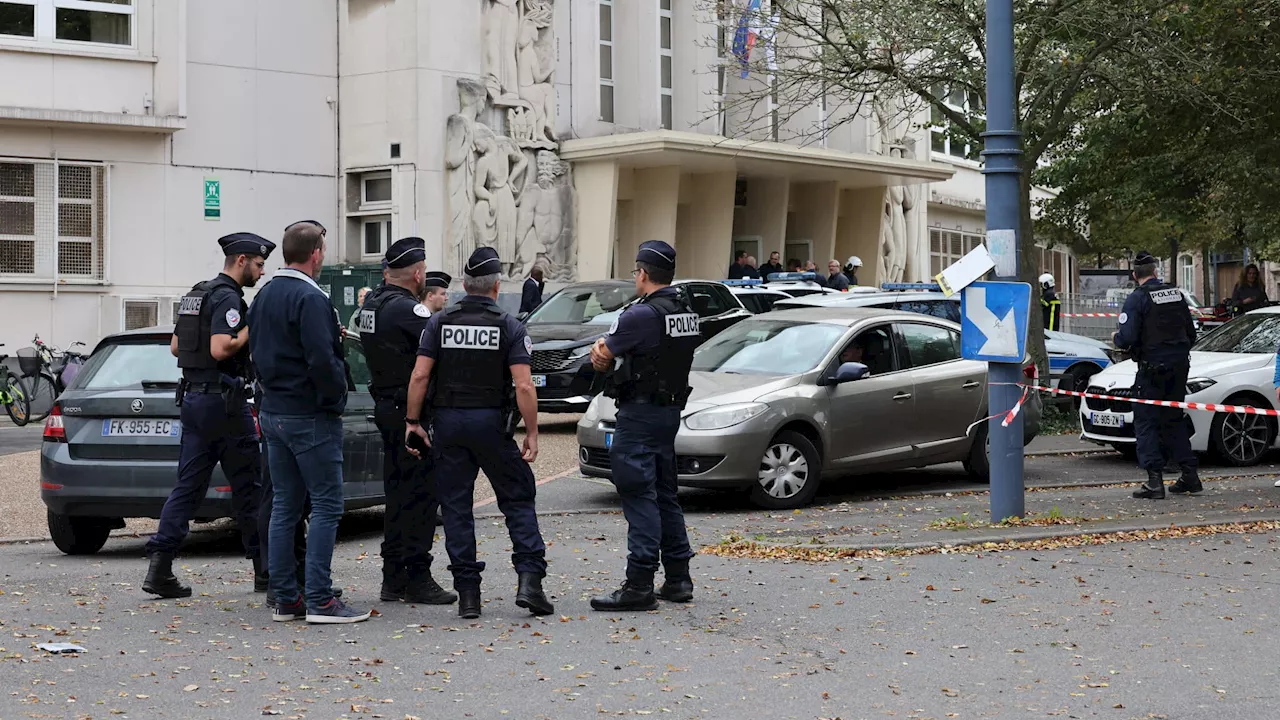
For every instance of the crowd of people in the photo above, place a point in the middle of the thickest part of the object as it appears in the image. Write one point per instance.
(838, 277)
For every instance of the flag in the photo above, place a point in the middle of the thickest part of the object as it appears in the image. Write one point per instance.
(746, 36)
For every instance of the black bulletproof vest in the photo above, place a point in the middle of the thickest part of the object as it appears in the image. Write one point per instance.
(388, 349)
(661, 375)
(1164, 327)
(194, 329)
(471, 362)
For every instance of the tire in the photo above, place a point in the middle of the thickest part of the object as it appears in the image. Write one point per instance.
(78, 535)
(1128, 450)
(41, 394)
(19, 410)
(1077, 378)
(789, 475)
(978, 464)
(1241, 439)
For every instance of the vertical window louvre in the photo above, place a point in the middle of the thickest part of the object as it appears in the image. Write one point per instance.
(967, 104)
(606, 60)
(52, 220)
(722, 55)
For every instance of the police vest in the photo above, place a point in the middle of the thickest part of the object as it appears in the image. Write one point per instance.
(1164, 326)
(389, 351)
(661, 375)
(194, 329)
(471, 359)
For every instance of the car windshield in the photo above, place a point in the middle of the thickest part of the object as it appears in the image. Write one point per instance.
(129, 365)
(1253, 333)
(595, 304)
(761, 346)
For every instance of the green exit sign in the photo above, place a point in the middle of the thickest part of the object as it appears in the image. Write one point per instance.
(212, 199)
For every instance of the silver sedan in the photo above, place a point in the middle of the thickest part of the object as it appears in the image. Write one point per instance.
(782, 400)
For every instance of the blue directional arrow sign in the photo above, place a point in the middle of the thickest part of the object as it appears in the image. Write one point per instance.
(993, 322)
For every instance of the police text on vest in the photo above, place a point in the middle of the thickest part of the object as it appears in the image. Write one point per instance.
(190, 304)
(1167, 295)
(682, 325)
(470, 337)
(366, 321)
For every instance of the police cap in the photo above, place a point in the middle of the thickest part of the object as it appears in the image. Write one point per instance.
(484, 261)
(658, 254)
(246, 243)
(405, 252)
(437, 279)
(1144, 258)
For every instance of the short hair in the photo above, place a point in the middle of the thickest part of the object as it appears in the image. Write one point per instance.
(300, 241)
(404, 273)
(1144, 270)
(657, 275)
(480, 285)
(536, 272)
(740, 254)
(432, 290)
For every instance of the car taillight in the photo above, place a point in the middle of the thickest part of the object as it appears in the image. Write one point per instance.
(53, 429)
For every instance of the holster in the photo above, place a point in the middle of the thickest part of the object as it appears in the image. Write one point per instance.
(180, 393)
(234, 393)
(510, 413)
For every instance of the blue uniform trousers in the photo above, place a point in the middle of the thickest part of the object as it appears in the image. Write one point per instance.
(468, 440)
(1162, 432)
(643, 458)
(409, 523)
(211, 436)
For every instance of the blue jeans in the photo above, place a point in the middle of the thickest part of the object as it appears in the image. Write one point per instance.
(643, 457)
(305, 457)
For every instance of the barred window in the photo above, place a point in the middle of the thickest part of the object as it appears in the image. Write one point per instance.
(52, 220)
(140, 314)
(948, 246)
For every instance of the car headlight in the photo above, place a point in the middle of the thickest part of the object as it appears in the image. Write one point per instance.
(1196, 384)
(1113, 355)
(593, 411)
(725, 416)
(579, 352)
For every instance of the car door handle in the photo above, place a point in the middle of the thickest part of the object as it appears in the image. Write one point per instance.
(971, 385)
(902, 396)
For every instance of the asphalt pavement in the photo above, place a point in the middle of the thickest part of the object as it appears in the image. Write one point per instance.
(20, 439)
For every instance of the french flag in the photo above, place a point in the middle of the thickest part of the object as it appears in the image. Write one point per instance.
(746, 36)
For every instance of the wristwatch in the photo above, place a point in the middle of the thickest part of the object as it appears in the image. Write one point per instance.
(411, 421)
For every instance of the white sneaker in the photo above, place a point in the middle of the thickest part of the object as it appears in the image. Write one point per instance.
(1277, 484)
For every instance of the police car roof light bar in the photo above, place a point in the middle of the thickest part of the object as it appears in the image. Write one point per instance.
(911, 286)
(744, 282)
(778, 277)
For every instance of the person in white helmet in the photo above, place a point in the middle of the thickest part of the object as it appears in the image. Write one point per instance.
(1050, 305)
(851, 269)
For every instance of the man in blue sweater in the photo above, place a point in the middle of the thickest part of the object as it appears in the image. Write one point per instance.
(298, 354)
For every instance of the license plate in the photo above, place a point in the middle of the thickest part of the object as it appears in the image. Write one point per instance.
(608, 440)
(539, 381)
(1102, 419)
(141, 427)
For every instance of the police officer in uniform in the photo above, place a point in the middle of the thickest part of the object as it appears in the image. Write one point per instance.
(211, 342)
(390, 323)
(477, 358)
(655, 339)
(1157, 329)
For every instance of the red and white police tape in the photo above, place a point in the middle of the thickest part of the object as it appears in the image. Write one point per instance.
(1090, 314)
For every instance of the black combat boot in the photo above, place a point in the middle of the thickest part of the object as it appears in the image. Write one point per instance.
(529, 595)
(160, 579)
(468, 601)
(423, 589)
(1153, 488)
(394, 582)
(635, 594)
(677, 585)
(1189, 483)
(260, 577)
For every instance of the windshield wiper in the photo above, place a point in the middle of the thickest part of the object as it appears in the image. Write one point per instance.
(149, 384)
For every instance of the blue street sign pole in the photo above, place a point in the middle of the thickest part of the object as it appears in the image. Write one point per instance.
(1003, 180)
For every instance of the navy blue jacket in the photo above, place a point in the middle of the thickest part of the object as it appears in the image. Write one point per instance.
(1133, 317)
(530, 295)
(295, 342)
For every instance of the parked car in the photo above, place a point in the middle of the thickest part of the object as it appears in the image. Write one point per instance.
(565, 326)
(757, 299)
(111, 443)
(785, 399)
(1073, 359)
(1234, 365)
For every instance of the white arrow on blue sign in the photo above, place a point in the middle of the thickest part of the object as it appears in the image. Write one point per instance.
(993, 322)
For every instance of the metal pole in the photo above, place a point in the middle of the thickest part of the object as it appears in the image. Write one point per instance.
(1004, 194)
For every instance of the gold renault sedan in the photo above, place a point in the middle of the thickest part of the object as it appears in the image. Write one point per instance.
(783, 400)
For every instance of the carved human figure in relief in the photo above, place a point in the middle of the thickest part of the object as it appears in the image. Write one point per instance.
(500, 170)
(541, 215)
(501, 28)
(536, 88)
(460, 162)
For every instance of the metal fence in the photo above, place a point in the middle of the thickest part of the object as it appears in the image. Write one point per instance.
(1092, 317)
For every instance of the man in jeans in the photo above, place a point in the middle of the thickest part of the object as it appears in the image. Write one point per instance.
(298, 354)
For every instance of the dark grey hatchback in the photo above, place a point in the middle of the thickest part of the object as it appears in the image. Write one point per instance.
(110, 447)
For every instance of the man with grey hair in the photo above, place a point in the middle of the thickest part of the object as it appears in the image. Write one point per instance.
(473, 354)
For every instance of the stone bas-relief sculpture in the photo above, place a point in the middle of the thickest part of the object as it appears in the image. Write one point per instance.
(507, 187)
(904, 250)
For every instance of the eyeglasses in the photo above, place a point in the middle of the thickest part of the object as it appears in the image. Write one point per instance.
(635, 273)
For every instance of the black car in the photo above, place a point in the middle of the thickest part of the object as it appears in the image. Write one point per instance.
(565, 326)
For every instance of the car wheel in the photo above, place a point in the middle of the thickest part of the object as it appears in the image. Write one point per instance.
(1128, 450)
(78, 535)
(790, 471)
(1239, 438)
(1077, 379)
(978, 464)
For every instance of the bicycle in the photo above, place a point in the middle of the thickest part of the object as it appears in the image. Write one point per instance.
(62, 365)
(42, 366)
(13, 395)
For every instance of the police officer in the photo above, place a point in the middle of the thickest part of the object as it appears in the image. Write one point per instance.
(390, 323)
(474, 353)
(655, 338)
(1157, 329)
(211, 342)
(1050, 305)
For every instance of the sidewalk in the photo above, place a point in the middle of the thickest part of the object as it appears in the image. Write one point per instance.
(1058, 444)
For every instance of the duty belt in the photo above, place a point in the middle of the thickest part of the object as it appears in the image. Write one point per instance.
(210, 388)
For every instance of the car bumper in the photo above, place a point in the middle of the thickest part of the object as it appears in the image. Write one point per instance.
(568, 391)
(719, 459)
(1124, 435)
(119, 488)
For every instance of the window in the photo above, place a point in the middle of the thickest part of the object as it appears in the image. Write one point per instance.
(1186, 273)
(705, 300)
(944, 309)
(722, 58)
(141, 314)
(100, 22)
(375, 190)
(968, 104)
(128, 364)
(948, 246)
(376, 235)
(52, 219)
(606, 61)
(929, 344)
(354, 353)
(665, 60)
(873, 348)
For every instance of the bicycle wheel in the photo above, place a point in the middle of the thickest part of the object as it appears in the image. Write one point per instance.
(41, 393)
(16, 395)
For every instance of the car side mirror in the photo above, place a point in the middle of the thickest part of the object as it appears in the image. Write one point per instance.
(850, 371)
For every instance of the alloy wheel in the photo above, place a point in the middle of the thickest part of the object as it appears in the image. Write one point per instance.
(783, 471)
(1245, 437)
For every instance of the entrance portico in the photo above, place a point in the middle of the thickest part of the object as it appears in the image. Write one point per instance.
(709, 195)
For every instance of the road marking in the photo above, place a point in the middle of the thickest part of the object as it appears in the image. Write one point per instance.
(540, 483)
